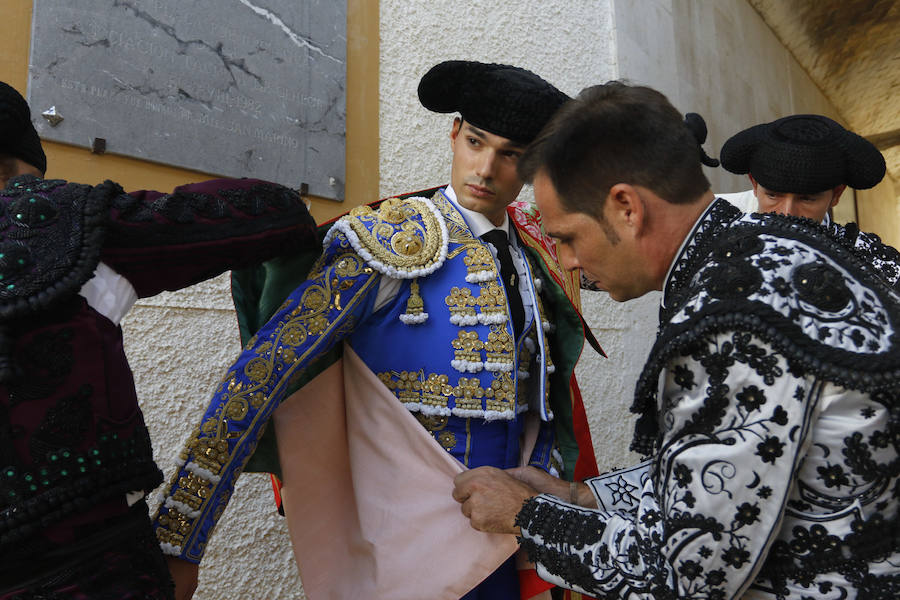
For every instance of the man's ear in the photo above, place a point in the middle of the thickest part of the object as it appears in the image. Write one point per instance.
(626, 208)
(752, 183)
(836, 195)
(454, 131)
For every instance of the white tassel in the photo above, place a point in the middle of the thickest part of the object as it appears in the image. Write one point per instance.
(464, 320)
(467, 366)
(414, 319)
(183, 508)
(468, 413)
(480, 276)
(492, 318)
(170, 549)
(498, 366)
(203, 473)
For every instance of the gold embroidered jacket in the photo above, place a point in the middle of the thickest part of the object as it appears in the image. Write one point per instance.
(452, 304)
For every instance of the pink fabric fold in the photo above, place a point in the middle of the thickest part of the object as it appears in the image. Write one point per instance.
(367, 496)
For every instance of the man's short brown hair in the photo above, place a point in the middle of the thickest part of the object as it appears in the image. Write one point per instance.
(616, 133)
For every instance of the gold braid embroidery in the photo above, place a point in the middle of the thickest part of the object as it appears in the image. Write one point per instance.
(394, 237)
(309, 317)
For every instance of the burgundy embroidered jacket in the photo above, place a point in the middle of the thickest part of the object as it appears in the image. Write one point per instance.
(72, 438)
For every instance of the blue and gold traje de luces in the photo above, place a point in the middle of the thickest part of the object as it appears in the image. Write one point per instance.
(444, 346)
(461, 359)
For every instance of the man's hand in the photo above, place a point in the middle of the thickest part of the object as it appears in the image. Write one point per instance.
(546, 483)
(185, 575)
(541, 481)
(491, 498)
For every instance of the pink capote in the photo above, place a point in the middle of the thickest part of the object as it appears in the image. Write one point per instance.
(367, 496)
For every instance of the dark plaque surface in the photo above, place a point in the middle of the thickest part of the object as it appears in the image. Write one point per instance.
(250, 88)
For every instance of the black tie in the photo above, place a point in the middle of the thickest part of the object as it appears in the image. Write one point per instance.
(510, 277)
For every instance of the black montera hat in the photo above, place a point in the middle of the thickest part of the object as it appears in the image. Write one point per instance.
(804, 154)
(18, 137)
(501, 99)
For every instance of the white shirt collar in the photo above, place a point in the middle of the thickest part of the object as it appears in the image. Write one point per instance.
(477, 222)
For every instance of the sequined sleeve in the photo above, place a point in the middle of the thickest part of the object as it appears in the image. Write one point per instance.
(170, 241)
(319, 313)
(736, 425)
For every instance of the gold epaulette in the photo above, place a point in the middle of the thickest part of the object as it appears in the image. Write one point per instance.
(402, 238)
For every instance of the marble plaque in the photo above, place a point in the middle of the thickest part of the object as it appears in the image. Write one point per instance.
(251, 88)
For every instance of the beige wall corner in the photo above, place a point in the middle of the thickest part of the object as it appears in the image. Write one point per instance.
(878, 210)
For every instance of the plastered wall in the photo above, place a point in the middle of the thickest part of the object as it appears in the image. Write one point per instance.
(717, 58)
(570, 44)
(178, 345)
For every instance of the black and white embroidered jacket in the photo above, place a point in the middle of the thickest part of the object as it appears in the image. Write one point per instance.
(769, 407)
(883, 259)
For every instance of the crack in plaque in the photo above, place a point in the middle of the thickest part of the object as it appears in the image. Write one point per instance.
(298, 39)
(169, 30)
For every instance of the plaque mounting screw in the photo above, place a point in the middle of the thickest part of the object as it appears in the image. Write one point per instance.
(53, 117)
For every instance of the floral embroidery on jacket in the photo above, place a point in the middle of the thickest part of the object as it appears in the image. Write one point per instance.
(774, 438)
